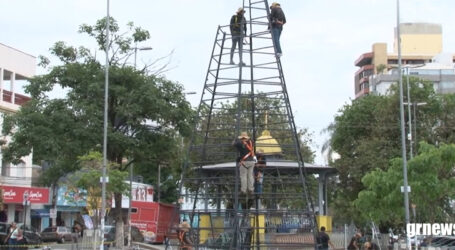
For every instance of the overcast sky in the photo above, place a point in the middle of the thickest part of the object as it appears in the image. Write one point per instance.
(320, 42)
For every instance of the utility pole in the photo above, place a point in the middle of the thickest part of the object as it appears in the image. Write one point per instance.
(403, 137)
(106, 96)
(410, 138)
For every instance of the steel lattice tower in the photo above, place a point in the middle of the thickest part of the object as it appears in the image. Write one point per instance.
(249, 97)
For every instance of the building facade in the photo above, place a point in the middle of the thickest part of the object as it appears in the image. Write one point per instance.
(421, 43)
(19, 197)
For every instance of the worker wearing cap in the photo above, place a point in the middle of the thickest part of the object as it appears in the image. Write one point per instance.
(277, 20)
(238, 32)
(246, 161)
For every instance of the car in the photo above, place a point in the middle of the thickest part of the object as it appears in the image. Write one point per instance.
(109, 234)
(59, 234)
(31, 235)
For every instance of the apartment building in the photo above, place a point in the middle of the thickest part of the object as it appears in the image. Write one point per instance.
(421, 49)
(19, 197)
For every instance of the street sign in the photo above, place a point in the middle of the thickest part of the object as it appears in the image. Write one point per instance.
(402, 189)
(53, 213)
(106, 179)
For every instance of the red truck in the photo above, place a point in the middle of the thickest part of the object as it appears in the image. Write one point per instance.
(153, 219)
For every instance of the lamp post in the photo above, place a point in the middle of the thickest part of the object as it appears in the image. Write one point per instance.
(140, 49)
(159, 182)
(106, 95)
(409, 113)
(403, 138)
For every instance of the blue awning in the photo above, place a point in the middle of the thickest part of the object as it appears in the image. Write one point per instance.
(40, 213)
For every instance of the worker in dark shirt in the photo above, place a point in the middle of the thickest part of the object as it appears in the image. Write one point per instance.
(277, 20)
(238, 32)
(246, 161)
(324, 240)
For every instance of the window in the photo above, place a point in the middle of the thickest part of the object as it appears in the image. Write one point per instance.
(6, 168)
(20, 169)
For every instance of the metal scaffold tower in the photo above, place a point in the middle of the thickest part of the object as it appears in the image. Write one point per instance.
(245, 97)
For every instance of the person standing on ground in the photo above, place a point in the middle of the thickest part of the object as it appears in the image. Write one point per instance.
(324, 240)
(238, 32)
(277, 20)
(13, 233)
(75, 235)
(246, 161)
(353, 244)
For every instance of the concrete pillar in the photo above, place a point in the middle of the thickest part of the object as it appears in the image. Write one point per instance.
(205, 224)
(206, 199)
(12, 80)
(326, 203)
(11, 212)
(321, 195)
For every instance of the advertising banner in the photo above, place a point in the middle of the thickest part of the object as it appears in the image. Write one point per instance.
(12, 194)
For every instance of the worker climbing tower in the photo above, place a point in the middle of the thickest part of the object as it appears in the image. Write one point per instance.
(248, 96)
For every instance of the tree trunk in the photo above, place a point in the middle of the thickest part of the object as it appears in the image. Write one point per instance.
(119, 234)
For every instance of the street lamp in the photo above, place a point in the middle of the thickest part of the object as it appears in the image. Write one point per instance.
(140, 49)
(403, 138)
(106, 95)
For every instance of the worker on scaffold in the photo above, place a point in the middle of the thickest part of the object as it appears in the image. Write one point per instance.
(238, 32)
(246, 161)
(183, 235)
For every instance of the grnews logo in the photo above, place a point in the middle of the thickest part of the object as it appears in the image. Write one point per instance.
(442, 229)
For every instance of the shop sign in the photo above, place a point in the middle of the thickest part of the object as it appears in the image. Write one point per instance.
(35, 195)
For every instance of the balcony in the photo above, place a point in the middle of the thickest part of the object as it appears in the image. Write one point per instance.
(362, 92)
(364, 68)
(363, 80)
(364, 59)
(18, 98)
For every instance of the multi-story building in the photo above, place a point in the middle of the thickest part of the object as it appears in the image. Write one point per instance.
(421, 43)
(19, 198)
(441, 72)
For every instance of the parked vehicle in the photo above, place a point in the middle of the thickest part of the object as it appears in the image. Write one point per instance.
(59, 234)
(442, 242)
(154, 219)
(31, 235)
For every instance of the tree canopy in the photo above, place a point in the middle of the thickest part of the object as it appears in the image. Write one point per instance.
(432, 182)
(366, 136)
(147, 114)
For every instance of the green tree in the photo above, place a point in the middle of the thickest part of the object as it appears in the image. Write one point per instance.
(146, 113)
(432, 183)
(366, 136)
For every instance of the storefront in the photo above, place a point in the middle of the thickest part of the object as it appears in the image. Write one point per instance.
(71, 203)
(19, 204)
